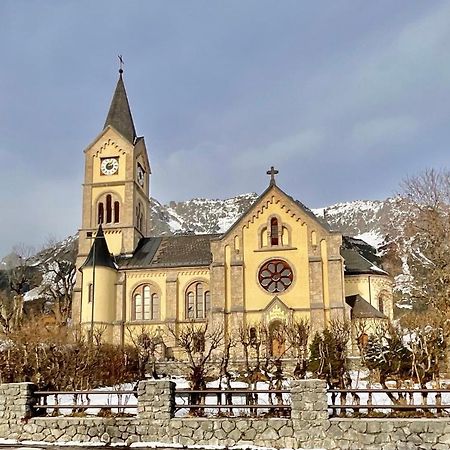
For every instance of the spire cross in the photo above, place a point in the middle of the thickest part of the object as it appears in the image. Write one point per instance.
(272, 172)
(121, 63)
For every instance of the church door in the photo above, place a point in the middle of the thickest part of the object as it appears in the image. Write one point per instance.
(277, 339)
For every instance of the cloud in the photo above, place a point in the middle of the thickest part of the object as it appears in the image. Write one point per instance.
(384, 130)
(303, 144)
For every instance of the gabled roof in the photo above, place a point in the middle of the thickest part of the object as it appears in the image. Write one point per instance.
(362, 309)
(301, 206)
(119, 115)
(171, 251)
(99, 255)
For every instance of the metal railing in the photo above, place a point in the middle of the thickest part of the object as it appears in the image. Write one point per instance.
(419, 402)
(233, 402)
(81, 401)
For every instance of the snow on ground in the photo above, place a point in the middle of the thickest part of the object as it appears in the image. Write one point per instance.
(359, 380)
(149, 444)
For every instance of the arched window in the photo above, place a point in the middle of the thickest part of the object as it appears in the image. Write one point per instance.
(139, 217)
(382, 303)
(146, 304)
(274, 231)
(190, 310)
(108, 209)
(263, 238)
(277, 339)
(198, 301)
(101, 213)
(116, 212)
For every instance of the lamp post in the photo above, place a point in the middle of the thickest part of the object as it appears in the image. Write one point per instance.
(89, 235)
(91, 338)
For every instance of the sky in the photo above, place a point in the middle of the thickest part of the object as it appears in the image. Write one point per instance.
(344, 98)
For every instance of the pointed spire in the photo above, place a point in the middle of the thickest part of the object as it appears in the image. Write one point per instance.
(119, 115)
(99, 255)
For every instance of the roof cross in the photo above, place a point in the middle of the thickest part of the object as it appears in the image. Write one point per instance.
(121, 63)
(272, 172)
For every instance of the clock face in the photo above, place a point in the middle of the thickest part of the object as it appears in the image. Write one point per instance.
(109, 166)
(140, 175)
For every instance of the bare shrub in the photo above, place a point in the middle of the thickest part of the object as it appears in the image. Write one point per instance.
(54, 358)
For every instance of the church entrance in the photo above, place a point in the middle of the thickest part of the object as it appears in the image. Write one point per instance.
(276, 338)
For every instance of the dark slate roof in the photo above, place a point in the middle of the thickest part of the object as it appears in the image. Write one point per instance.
(119, 115)
(359, 257)
(171, 251)
(99, 253)
(362, 309)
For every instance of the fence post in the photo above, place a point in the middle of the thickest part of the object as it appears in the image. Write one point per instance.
(156, 399)
(16, 402)
(309, 411)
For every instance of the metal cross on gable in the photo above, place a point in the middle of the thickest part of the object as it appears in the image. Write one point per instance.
(272, 172)
(121, 63)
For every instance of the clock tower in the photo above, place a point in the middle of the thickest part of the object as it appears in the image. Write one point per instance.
(116, 183)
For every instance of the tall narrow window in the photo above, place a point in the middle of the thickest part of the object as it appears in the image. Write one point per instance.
(190, 313)
(273, 231)
(101, 213)
(207, 302)
(200, 301)
(108, 209)
(147, 303)
(116, 212)
(138, 307)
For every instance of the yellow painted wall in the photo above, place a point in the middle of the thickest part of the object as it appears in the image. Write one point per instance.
(296, 255)
(104, 289)
(369, 287)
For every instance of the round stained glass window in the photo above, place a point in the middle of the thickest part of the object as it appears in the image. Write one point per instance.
(275, 276)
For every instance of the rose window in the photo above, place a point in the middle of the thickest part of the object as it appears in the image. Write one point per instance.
(275, 276)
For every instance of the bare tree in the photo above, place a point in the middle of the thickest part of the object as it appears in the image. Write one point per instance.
(148, 344)
(297, 332)
(198, 343)
(59, 282)
(425, 233)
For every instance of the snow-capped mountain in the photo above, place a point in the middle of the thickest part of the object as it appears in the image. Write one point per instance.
(198, 215)
(368, 220)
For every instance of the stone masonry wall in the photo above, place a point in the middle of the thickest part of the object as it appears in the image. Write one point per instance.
(308, 427)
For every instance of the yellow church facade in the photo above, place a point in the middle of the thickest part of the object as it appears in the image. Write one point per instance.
(277, 262)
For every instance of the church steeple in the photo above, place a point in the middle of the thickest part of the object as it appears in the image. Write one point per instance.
(119, 115)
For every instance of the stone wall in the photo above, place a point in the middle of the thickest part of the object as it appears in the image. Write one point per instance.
(308, 427)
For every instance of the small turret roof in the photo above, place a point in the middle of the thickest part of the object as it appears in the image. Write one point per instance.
(362, 309)
(99, 254)
(119, 115)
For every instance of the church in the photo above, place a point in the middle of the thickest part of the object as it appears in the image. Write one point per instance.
(277, 262)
